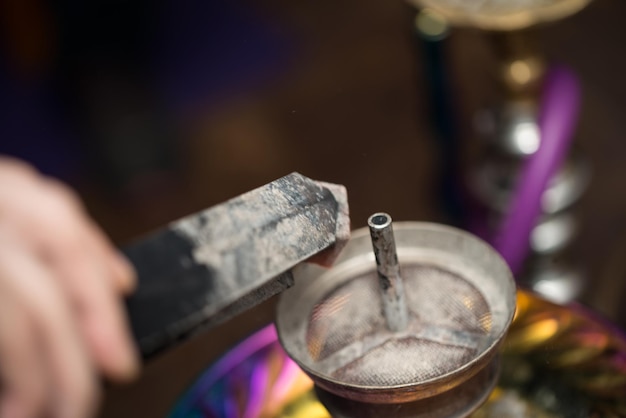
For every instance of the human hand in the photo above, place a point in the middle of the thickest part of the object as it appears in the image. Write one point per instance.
(61, 282)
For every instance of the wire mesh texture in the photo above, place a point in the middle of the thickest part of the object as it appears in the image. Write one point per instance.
(449, 324)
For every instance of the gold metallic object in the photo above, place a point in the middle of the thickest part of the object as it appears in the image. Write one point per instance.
(502, 15)
(432, 25)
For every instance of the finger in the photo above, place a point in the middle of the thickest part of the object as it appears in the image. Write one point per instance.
(17, 169)
(37, 292)
(58, 225)
(52, 216)
(120, 270)
(85, 276)
(100, 313)
(22, 372)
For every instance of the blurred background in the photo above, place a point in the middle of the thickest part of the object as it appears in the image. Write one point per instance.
(156, 109)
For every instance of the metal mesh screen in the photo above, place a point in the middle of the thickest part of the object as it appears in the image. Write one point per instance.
(347, 338)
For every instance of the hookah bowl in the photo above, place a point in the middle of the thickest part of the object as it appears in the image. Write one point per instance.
(409, 335)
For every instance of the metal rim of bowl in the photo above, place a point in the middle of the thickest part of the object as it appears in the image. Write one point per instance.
(289, 322)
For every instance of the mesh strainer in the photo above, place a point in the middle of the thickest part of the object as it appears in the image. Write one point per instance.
(458, 299)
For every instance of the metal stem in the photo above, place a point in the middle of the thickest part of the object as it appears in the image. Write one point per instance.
(391, 287)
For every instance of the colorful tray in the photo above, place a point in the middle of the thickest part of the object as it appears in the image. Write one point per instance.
(558, 361)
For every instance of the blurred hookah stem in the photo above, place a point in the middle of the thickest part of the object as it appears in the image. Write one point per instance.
(431, 33)
(529, 96)
(511, 136)
(522, 67)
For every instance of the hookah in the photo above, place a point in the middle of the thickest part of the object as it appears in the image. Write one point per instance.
(528, 177)
(428, 324)
(422, 326)
(405, 319)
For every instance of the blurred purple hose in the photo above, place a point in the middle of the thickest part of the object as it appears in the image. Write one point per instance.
(558, 115)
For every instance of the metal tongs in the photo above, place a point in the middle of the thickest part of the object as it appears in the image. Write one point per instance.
(206, 268)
